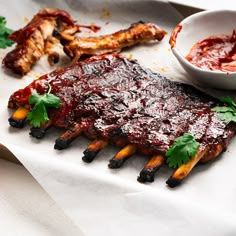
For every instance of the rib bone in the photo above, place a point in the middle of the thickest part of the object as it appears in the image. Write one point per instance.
(17, 119)
(66, 138)
(118, 160)
(40, 132)
(152, 166)
(185, 169)
(93, 149)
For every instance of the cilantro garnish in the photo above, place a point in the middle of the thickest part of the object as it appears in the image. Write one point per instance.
(226, 113)
(39, 116)
(4, 32)
(183, 149)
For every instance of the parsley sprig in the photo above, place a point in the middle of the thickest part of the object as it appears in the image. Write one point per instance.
(183, 149)
(4, 32)
(226, 113)
(39, 116)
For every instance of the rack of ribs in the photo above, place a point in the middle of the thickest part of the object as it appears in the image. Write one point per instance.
(112, 99)
(36, 39)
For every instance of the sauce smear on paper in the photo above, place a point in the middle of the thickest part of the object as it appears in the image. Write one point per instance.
(217, 52)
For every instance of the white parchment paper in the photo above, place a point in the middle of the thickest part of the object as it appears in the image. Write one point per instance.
(101, 201)
(26, 209)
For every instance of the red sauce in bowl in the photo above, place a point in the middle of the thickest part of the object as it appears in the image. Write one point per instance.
(216, 52)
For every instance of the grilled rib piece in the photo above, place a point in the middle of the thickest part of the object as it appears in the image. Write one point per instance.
(139, 32)
(50, 26)
(112, 99)
(36, 39)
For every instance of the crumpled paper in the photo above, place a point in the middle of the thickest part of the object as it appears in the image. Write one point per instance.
(101, 201)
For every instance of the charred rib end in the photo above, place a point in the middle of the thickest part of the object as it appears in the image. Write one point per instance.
(89, 155)
(153, 165)
(61, 144)
(16, 123)
(37, 132)
(171, 182)
(146, 176)
(116, 163)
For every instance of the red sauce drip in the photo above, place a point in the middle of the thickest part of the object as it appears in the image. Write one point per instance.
(174, 35)
(93, 28)
(216, 52)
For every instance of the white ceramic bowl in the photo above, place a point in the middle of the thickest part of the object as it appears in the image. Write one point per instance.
(196, 28)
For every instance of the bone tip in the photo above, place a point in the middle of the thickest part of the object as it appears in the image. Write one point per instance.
(89, 155)
(115, 163)
(145, 176)
(172, 182)
(87, 159)
(16, 123)
(37, 132)
(61, 144)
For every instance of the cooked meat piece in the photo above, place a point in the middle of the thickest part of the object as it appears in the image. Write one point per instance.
(112, 99)
(139, 32)
(36, 38)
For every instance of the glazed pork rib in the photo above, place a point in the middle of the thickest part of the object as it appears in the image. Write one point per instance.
(52, 26)
(114, 100)
(139, 32)
(36, 38)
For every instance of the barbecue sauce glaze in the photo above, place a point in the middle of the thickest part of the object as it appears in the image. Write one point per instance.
(216, 53)
(116, 99)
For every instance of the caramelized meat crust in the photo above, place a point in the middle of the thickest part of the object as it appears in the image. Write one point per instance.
(139, 32)
(113, 99)
(125, 99)
(35, 39)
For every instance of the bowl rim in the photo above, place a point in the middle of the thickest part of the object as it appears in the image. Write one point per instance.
(207, 12)
(176, 51)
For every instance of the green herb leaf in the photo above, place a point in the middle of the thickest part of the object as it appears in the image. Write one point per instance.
(226, 113)
(4, 32)
(227, 100)
(39, 115)
(183, 149)
(223, 109)
(227, 116)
